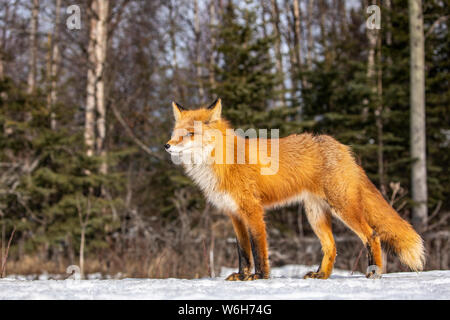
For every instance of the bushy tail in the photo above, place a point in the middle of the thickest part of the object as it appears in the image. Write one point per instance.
(394, 231)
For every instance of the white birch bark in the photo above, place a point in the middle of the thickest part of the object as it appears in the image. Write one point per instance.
(89, 129)
(100, 55)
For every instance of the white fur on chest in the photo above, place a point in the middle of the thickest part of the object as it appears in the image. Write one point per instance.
(205, 178)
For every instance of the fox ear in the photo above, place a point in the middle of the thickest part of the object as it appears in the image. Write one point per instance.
(216, 110)
(177, 109)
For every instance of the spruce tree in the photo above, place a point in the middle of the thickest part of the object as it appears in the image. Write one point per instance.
(437, 62)
(49, 185)
(245, 76)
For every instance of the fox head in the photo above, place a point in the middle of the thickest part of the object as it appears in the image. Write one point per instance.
(196, 131)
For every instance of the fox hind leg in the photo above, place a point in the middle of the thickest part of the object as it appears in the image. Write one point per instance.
(354, 219)
(374, 256)
(373, 245)
(320, 220)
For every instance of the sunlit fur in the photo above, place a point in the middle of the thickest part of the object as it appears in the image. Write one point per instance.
(316, 170)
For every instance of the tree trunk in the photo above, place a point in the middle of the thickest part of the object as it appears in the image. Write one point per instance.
(198, 69)
(323, 11)
(298, 38)
(212, 15)
(278, 54)
(2, 69)
(310, 46)
(95, 102)
(33, 47)
(388, 41)
(2, 43)
(374, 79)
(177, 89)
(341, 16)
(3, 252)
(389, 23)
(379, 118)
(89, 129)
(298, 33)
(54, 65)
(100, 53)
(417, 102)
(291, 43)
(82, 245)
(263, 18)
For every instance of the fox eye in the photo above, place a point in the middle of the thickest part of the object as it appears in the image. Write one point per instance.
(189, 134)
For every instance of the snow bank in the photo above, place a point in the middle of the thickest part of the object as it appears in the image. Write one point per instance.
(286, 283)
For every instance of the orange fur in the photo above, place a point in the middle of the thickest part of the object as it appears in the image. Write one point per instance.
(317, 170)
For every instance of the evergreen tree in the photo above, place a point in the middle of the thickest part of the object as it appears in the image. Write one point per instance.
(245, 76)
(437, 62)
(338, 99)
(51, 182)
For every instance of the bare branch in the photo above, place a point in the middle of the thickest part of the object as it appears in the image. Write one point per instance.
(5, 258)
(435, 24)
(130, 133)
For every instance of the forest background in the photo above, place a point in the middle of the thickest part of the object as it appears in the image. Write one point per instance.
(85, 93)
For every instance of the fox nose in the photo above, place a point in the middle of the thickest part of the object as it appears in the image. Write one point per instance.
(167, 146)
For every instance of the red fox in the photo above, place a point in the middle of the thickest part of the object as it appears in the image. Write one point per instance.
(316, 170)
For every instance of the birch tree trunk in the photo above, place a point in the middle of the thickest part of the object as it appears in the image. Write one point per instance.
(33, 47)
(417, 101)
(89, 128)
(95, 101)
(291, 43)
(298, 38)
(100, 54)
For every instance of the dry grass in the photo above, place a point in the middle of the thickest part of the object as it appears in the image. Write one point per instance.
(183, 251)
(190, 263)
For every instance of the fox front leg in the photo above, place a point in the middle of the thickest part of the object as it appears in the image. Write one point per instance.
(243, 249)
(244, 266)
(258, 241)
(260, 257)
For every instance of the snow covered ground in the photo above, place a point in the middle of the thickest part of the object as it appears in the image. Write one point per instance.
(286, 283)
